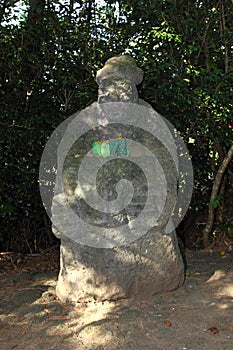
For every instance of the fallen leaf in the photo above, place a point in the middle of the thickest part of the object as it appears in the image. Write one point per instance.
(141, 324)
(168, 323)
(213, 330)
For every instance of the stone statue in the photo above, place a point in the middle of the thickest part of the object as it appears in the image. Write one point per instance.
(142, 267)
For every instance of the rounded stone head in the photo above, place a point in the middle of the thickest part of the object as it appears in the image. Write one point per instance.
(117, 80)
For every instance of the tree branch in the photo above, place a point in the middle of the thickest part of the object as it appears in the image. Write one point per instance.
(214, 193)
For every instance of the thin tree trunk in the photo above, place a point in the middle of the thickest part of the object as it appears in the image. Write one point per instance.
(32, 40)
(222, 32)
(214, 193)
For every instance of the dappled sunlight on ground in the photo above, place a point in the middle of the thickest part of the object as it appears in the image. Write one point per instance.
(226, 290)
(199, 313)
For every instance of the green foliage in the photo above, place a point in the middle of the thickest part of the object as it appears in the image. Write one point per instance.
(50, 52)
(217, 201)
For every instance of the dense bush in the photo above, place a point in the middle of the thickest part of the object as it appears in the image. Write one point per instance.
(50, 52)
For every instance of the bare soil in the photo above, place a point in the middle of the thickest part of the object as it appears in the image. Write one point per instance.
(197, 316)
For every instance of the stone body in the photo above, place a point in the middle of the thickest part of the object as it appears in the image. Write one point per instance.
(151, 264)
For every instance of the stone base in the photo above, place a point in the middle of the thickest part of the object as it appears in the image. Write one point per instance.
(151, 265)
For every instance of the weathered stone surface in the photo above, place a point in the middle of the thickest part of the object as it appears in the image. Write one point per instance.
(113, 171)
(151, 264)
(117, 80)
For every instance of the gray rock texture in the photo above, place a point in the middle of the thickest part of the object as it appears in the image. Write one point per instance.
(148, 265)
(117, 80)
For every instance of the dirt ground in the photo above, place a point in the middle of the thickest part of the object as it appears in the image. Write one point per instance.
(197, 316)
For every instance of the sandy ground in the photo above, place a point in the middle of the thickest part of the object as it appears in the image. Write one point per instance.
(197, 316)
